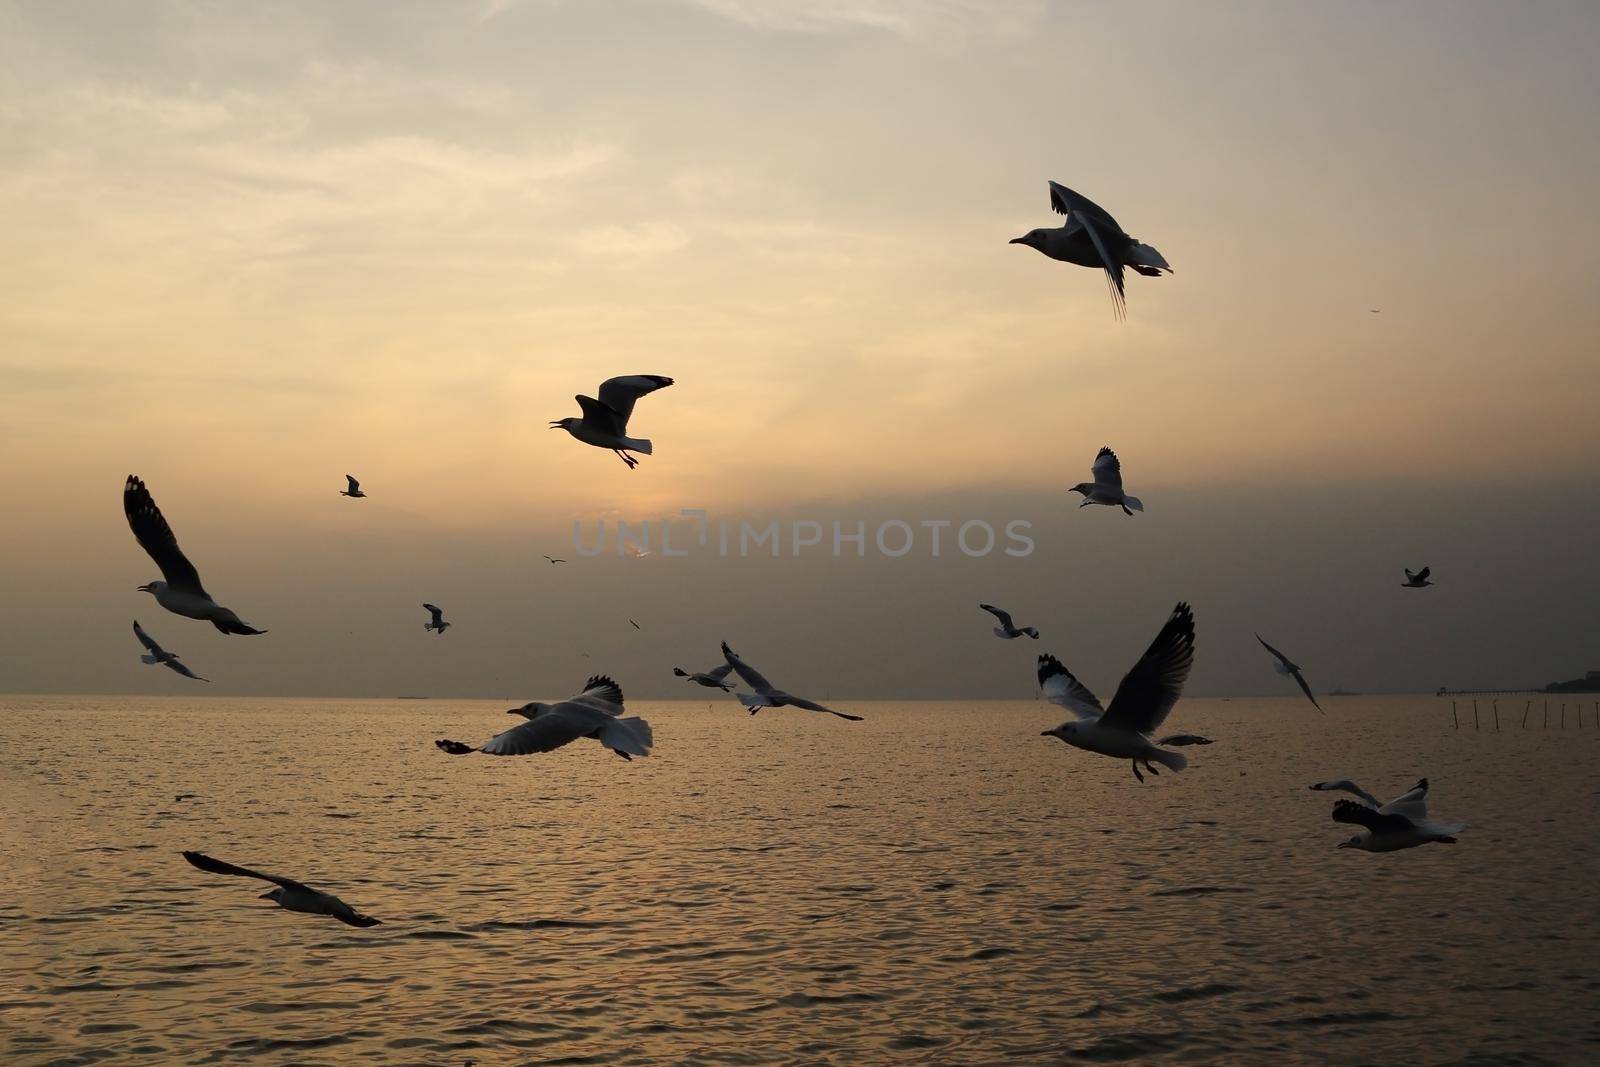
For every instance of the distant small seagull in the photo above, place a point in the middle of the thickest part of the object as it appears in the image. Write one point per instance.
(437, 623)
(1401, 823)
(596, 712)
(181, 593)
(181, 797)
(552, 559)
(605, 421)
(290, 894)
(355, 487)
(765, 696)
(712, 679)
(1107, 485)
(1142, 702)
(1180, 740)
(1005, 629)
(1417, 580)
(1285, 666)
(638, 553)
(635, 625)
(1090, 237)
(1374, 310)
(160, 655)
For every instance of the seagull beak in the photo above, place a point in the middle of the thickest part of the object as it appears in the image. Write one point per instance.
(1343, 844)
(144, 588)
(1017, 241)
(267, 895)
(1047, 733)
(555, 425)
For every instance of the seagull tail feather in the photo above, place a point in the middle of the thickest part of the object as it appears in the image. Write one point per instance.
(1133, 502)
(640, 445)
(1175, 761)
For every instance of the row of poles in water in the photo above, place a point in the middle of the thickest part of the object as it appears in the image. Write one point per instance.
(1495, 708)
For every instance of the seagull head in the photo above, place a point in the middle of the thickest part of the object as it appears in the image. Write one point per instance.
(530, 710)
(1082, 487)
(1031, 239)
(1065, 730)
(566, 424)
(1350, 843)
(152, 587)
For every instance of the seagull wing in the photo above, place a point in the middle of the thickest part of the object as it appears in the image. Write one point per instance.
(211, 866)
(1279, 656)
(600, 694)
(1107, 469)
(619, 394)
(751, 676)
(185, 671)
(1115, 270)
(146, 640)
(1345, 785)
(1003, 616)
(1373, 819)
(1422, 575)
(1304, 688)
(355, 486)
(790, 700)
(1078, 207)
(438, 616)
(717, 674)
(561, 725)
(1412, 804)
(1148, 692)
(600, 417)
(1061, 688)
(150, 529)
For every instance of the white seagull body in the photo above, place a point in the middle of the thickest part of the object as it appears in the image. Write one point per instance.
(1401, 823)
(290, 894)
(1142, 702)
(1006, 630)
(354, 489)
(437, 623)
(1090, 237)
(1286, 667)
(1107, 485)
(157, 654)
(596, 712)
(1417, 580)
(765, 695)
(181, 593)
(715, 678)
(605, 421)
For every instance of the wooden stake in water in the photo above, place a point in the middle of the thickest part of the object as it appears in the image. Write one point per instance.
(1474, 714)
(1453, 718)
(1563, 716)
(1495, 707)
(1525, 710)
(1547, 715)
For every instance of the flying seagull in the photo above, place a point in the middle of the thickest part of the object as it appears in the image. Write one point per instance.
(1006, 629)
(1401, 823)
(638, 553)
(355, 487)
(552, 559)
(765, 696)
(1090, 237)
(635, 625)
(157, 654)
(712, 679)
(437, 623)
(181, 593)
(1141, 704)
(1181, 740)
(1284, 666)
(596, 712)
(605, 421)
(1417, 580)
(1107, 485)
(290, 894)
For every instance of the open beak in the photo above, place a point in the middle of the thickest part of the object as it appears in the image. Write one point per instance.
(1343, 844)
(144, 588)
(555, 425)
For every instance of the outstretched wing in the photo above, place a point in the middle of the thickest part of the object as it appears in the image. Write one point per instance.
(749, 674)
(1107, 469)
(438, 616)
(1373, 819)
(1422, 575)
(1061, 688)
(619, 394)
(1115, 270)
(1305, 688)
(355, 486)
(601, 417)
(150, 529)
(599, 693)
(146, 640)
(213, 866)
(1279, 656)
(1345, 785)
(1077, 207)
(717, 674)
(548, 731)
(810, 705)
(185, 671)
(1003, 616)
(1148, 692)
(1412, 804)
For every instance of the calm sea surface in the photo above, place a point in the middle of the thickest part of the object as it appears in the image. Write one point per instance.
(938, 884)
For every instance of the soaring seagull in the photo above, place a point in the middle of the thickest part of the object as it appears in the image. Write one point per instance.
(157, 654)
(765, 696)
(1417, 580)
(553, 560)
(1107, 485)
(1006, 629)
(355, 487)
(596, 712)
(290, 894)
(437, 623)
(605, 421)
(712, 679)
(1401, 823)
(1285, 666)
(181, 593)
(1142, 703)
(1090, 237)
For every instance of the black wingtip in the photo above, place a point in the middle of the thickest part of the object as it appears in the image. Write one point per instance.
(455, 748)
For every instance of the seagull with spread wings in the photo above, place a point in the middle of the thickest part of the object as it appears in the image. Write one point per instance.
(1417, 580)
(157, 654)
(1287, 667)
(765, 695)
(596, 712)
(437, 623)
(715, 678)
(1107, 485)
(181, 593)
(1006, 630)
(1090, 237)
(355, 487)
(1142, 702)
(1401, 823)
(290, 894)
(605, 421)
(553, 560)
